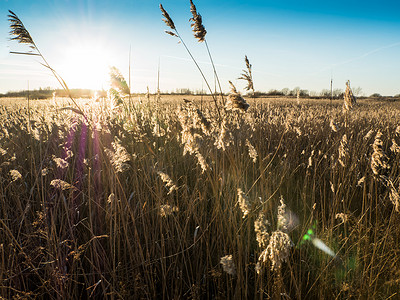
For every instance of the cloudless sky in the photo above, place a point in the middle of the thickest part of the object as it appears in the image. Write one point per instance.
(289, 43)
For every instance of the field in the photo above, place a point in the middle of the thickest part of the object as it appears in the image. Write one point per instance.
(164, 199)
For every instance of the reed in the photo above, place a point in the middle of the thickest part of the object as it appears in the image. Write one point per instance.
(20, 34)
(168, 21)
(119, 210)
(247, 75)
(200, 34)
(280, 201)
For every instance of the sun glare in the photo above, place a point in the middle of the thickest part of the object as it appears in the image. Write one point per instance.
(85, 64)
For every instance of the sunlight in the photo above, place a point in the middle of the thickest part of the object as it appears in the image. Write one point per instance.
(85, 64)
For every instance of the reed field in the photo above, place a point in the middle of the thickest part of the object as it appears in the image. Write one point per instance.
(220, 196)
(159, 199)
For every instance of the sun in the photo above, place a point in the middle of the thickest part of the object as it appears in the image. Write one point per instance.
(85, 63)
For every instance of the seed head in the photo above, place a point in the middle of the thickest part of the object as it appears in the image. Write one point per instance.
(235, 101)
(61, 185)
(167, 210)
(244, 202)
(247, 76)
(18, 31)
(167, 19)
(15, 174)
(228, 265)
(343, 150)
(349, 98)
(379, 160)
(198, 29)
(261, 228)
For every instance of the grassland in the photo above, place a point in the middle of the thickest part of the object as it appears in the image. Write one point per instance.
(141, 201)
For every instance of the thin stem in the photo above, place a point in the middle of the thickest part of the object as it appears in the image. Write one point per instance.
(201, 72)
(129, 79)
(215, 72)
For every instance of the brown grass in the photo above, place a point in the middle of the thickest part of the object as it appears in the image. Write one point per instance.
(120, 231)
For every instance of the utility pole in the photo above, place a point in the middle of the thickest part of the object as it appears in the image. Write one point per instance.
(331, 90)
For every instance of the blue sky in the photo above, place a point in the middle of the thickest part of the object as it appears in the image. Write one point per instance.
(289, 43)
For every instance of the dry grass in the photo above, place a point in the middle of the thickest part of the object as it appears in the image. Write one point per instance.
(138, 219)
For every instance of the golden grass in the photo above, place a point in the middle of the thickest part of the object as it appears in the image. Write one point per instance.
(131, 216)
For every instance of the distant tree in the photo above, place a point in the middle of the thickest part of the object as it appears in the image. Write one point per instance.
(325, 93)
(259, 94)
(304, 93)
(357, 91)
(275, 93)
(294, 91)
(338, 93)
(376, 95)
(285, 91)
(184, 91)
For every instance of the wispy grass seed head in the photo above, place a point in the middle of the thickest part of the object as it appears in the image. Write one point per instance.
(168, 181)
(247, 75)
(277, 251)
(282, 216)
(18, 31)
(167, 19)
(349, 98)
(261, 225)
(228, 265)
(243, 202)
(119, 157)
(379, 160)
(2, 152)
(118, 82)
(167, 210)
(197, 24)
(252, 151)
(61, 185)
(235, 101)
(15, 175)
(61, 163)
(343, 151)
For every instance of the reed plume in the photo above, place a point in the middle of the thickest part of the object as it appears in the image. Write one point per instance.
(198, 28)
(243, 202)
(247, 75)
(349, 98)
(277, 251)
(228, 265)
(395, 148)
(15, 175)
(343, 151)
(20, 34)
(379, 160)
(18, 31)
(167, 181)
(167, 19)
(394, 196)
(261, 225)
(235, 101)
(252, 151)
(167, 210)
(200, 32)
(118, 81)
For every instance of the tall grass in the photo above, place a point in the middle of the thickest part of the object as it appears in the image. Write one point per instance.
(122, 201)
(126, 215)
